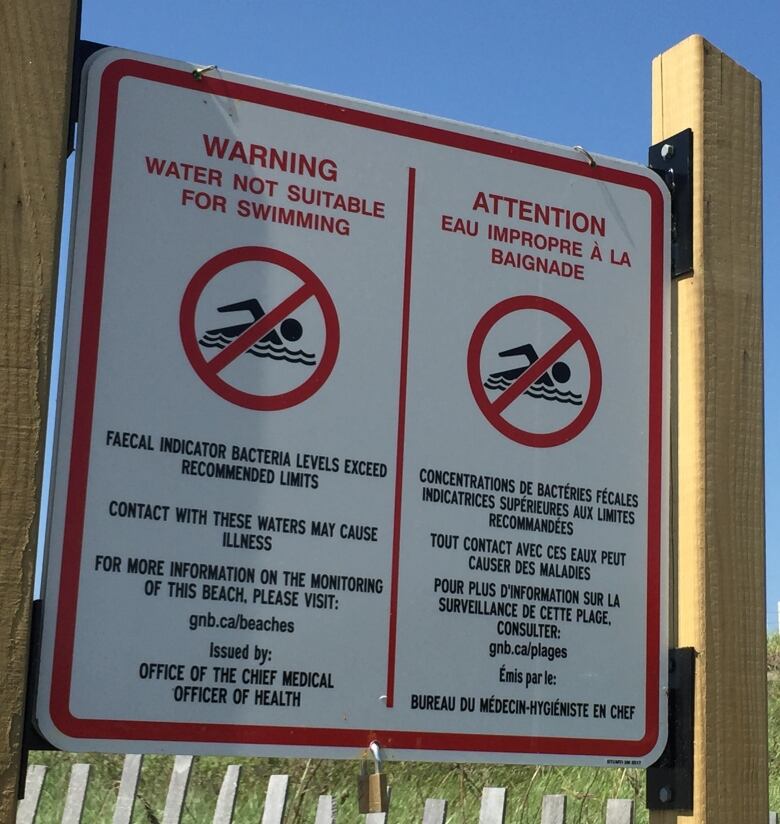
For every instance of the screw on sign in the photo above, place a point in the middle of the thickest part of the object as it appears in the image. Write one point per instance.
(544, 388)
(241, 328)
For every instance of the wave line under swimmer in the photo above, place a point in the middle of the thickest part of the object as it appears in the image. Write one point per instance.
(555, 396)
(544, 387)
(499, 382)
(270, 345)
(210, 340)
(538, 392)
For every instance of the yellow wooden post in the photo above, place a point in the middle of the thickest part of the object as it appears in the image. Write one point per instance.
(718, 514)
(36, 40)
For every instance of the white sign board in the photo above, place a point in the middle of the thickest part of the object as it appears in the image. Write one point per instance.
(361, 435)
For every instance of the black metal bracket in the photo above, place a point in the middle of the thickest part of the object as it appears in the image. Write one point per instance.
(82, 51)
(670, 779)
(31, 736)
(672, 159)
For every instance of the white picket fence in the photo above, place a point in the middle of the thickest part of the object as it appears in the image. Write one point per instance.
(618, 811)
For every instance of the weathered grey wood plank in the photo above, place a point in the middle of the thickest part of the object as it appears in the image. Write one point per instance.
(36, 57)
(435, 811)
(177, 789)
(128, 786)
(226, 801)
(275, 799)
(28, 806)
(491, 810)
(620, 811)
(77, 791)
(772, 818)
(326, 810)
(554, 809)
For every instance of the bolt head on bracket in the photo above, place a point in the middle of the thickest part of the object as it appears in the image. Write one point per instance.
(672, 160)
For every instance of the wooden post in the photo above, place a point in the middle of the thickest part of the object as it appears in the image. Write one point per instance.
(36, 41)
(717, 447)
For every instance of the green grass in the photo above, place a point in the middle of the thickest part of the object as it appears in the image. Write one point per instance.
(461, 784)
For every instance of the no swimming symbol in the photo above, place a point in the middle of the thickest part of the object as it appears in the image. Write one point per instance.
(272, 344)
(555, 365)
(271, 329)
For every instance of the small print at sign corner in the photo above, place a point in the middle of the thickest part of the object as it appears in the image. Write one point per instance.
(363, 435)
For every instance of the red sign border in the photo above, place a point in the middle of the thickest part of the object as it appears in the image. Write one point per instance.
(75, 727)
(189, 338)
(481, 330)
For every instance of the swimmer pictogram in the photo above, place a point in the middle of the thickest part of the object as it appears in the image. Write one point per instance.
(271, 345)
(562, 369)
(545, 387)
(285, 370)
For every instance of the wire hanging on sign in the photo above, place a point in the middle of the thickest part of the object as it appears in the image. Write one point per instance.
(198, 73)
(591, 160)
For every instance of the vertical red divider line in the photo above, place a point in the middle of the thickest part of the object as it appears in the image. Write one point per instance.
(399, 456)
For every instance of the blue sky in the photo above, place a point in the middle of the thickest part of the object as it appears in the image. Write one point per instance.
(565, 72)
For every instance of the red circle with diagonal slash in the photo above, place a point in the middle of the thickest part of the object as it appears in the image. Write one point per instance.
(576, 334)
(208, 370)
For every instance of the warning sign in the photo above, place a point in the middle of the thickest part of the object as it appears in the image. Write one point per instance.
(362, 434)
(284, 353)
(564, 375)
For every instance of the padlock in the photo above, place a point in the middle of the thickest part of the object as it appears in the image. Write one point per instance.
(372, 786)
